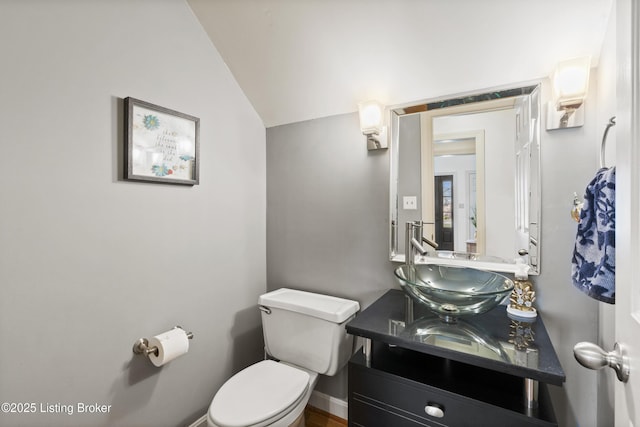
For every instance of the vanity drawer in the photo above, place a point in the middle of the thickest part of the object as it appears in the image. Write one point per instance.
(362, 414)
(382, 399)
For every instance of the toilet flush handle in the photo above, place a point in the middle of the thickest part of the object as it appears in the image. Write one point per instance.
(267, 310)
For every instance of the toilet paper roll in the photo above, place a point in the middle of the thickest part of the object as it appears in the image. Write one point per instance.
(170, 344)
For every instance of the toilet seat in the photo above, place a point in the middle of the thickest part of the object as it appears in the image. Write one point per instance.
(258, 395)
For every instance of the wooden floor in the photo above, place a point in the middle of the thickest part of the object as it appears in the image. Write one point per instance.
(315, 417)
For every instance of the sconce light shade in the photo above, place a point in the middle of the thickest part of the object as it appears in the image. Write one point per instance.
(370, 117)
(372, 124)
(570, 82)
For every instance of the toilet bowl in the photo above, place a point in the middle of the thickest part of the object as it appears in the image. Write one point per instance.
(267, 393)
(305, 333)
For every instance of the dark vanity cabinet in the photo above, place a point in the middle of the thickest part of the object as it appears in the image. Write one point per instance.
(416, 370)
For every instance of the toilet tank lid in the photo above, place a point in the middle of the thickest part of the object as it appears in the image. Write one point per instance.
(330, 308)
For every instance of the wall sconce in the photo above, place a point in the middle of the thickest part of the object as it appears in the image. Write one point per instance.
(372, 125)
(570, 83)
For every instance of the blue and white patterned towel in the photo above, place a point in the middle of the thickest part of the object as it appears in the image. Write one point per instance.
(593, 267)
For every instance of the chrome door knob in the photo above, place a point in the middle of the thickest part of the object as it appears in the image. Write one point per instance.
(523, 252)
(592, 356)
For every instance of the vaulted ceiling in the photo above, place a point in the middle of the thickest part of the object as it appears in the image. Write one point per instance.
(302, 59)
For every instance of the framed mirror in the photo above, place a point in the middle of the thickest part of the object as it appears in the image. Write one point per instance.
(468, 167)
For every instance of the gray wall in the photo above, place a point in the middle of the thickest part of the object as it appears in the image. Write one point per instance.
(90, 263)
(328, 214)
(568, 164)
(327, 231)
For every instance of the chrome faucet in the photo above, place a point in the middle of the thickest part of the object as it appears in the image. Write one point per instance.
(414, 240)
(431, 243)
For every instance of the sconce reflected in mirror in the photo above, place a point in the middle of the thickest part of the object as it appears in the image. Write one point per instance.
(372, 124)
(570, 82)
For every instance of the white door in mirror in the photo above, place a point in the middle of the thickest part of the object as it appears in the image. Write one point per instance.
(434, 410)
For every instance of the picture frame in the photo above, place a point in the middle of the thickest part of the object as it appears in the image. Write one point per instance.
(161, 145)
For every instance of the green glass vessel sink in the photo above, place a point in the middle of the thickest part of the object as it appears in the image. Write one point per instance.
(452, 291)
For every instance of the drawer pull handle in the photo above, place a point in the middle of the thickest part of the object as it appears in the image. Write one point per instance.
(434, 409)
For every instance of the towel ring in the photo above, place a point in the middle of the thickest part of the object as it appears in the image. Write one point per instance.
(612, 122)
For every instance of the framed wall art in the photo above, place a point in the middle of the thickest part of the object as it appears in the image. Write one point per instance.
(161, 145)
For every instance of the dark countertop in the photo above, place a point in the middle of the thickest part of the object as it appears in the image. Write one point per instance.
(491, 340)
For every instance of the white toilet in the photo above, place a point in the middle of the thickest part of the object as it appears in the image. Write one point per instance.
(305, 332)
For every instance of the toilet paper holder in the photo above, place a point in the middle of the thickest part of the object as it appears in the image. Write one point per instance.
(142, 345)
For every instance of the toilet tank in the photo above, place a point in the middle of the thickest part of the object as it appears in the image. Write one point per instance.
(307, 329)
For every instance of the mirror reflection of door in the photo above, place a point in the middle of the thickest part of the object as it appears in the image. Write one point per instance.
(459, 155)
(444, 212)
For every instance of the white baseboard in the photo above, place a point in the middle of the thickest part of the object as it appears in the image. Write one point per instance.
(200, 422)
(330, 404)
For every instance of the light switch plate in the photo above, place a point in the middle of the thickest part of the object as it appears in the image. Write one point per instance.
(410, 203)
